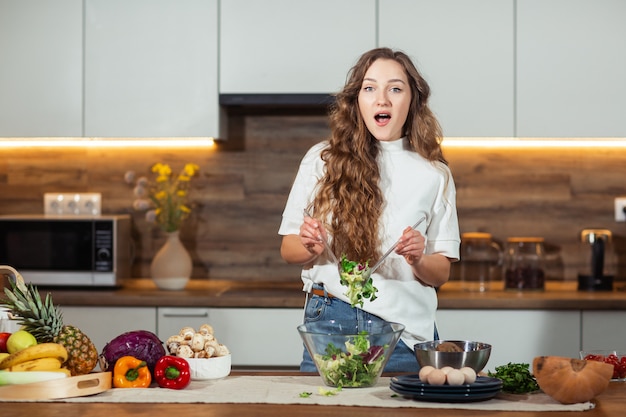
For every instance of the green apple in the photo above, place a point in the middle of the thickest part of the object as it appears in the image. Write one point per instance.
(20, 340)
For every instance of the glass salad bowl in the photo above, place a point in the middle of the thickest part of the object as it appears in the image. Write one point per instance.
(350, 355)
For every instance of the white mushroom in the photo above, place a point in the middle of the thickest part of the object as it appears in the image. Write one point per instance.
(175, 339)
(210, 351)
(197, 342)
(173, 342)
(222, 350)
(206, 329)
(187, 333)
(200, 354)
(184, 351)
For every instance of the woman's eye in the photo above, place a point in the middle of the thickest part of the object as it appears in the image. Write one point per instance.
(368, 88)
(395, 89)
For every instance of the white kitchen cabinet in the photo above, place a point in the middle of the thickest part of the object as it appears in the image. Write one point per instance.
(571, 66)
(41, 70)
(465, 50)
(102, 324)
(151, 68)
(254, 336)
(285, 46)
(516, 336)
(605, 330)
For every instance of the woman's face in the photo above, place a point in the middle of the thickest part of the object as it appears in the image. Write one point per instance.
(384, 99)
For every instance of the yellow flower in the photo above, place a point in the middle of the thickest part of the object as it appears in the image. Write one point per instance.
(167, 195)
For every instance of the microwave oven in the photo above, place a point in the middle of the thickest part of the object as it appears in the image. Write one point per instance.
(64, 250)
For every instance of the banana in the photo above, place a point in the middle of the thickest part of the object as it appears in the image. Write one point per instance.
(41, 364)
(42, 350)
(64, 371)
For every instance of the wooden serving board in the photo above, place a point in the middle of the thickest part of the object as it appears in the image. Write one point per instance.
(75, 386)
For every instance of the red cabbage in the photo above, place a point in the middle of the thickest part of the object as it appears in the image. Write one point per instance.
(140, 344)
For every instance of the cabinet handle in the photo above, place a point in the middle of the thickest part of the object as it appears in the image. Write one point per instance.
(187, 313)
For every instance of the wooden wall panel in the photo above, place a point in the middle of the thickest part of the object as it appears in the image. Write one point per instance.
(240, 193)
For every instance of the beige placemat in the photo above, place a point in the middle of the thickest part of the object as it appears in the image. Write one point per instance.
(287, 390)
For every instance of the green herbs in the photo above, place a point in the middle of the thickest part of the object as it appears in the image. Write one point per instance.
(356, 277)
(358, 366)
(516, 378)
(325, 392)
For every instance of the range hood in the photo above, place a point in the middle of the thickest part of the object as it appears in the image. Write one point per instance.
(237, 107)
(276, 100)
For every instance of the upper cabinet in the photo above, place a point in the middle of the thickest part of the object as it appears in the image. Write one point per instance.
(151, 68)
(41, 79)
(285, 46)
(465, 50)
(571, 67)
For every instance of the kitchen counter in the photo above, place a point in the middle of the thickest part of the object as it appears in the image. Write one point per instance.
(608, 404)
(224, 293)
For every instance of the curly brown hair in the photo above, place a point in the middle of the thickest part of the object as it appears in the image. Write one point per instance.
(349, 194)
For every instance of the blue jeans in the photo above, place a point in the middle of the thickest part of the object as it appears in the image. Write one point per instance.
(320, 308)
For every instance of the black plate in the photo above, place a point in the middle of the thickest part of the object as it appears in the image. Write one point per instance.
(410, 386)
(412, 382)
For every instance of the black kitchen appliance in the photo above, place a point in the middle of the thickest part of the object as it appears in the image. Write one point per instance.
(596, 275)
(67, 250)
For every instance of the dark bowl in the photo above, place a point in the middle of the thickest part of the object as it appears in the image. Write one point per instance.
(472, 354)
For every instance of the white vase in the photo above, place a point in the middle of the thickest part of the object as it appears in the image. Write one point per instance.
(171, 267)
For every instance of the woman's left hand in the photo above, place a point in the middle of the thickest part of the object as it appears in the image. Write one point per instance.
(412, 245)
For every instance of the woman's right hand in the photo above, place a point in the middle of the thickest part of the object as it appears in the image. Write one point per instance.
(306, 246)
(312, 235)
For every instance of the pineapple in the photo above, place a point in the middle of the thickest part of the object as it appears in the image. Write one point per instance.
(45, 321)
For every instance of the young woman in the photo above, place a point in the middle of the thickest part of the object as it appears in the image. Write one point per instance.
(380, 171)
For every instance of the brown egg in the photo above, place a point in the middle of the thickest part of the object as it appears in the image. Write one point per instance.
(424, 371)
(436, 377)
(455, 377)
(470, 374)
(447, 369)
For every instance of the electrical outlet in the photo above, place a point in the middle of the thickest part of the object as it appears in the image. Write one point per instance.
(82, 204)
(620, 205)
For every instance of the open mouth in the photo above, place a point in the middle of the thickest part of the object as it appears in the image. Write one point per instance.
(382, 118)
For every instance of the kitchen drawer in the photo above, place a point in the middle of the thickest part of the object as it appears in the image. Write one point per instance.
(255, 336)
(604, 330)
(515, 335)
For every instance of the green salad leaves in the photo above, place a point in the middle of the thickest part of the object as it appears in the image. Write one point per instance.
(358, 366)
(516, 378)
(356, 277)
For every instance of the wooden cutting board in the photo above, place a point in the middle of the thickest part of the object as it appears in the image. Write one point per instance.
(75, 386)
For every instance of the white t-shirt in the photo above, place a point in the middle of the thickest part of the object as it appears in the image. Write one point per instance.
(413, 187)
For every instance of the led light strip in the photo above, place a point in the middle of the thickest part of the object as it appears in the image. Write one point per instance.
(457, 142)
(107, 143)
(448, 142)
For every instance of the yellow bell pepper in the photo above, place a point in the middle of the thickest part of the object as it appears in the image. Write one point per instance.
(130, 372)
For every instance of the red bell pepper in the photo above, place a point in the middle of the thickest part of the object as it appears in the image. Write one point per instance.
(172, 372)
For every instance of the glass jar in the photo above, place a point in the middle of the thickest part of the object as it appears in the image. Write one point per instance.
(524, 264)
(481, 261)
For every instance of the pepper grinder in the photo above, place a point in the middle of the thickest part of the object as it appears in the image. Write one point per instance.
(598, 273)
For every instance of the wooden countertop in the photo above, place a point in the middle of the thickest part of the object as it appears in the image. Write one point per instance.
(223, 293)
(608, 404)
